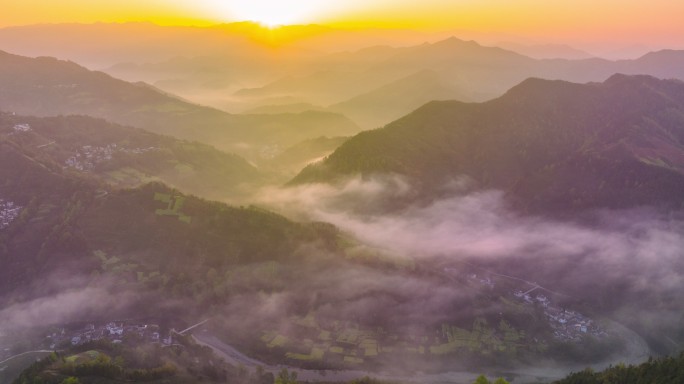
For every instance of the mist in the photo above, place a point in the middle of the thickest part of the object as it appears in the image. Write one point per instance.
(609, 261)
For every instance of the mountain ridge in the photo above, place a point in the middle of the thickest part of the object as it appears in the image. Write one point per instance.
(537, 142)
(50, 87)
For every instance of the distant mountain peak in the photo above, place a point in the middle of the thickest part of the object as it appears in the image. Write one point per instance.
(664, 54)
(621, 78)
(455, 41)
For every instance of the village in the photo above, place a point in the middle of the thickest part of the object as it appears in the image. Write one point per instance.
(9, 211)
(22, 128)
(88, 156)
(311, 339)
(567, 325)
(115, 331)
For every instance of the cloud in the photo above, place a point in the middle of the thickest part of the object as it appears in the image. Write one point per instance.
(62, 307)
(477, 223)
(627, 252)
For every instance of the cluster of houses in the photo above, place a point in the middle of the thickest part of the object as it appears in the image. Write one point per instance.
(570, 325)
(566, 325)
(88, 156)
(8, 212)
(22, 127)
(114, 331)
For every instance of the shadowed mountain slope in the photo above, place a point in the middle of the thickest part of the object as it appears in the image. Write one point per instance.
(550, 145)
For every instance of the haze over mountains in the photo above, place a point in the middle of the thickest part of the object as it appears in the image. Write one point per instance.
(351, 203)
(314, 65)
(48, 87)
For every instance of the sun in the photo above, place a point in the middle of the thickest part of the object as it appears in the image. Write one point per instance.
(271, 13)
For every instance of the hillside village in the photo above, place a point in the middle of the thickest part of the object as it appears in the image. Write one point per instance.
(567, 325)
(22, 128)
(312, 339)
(64, 337)
(8, 212)
(88, 156)
(115, 331)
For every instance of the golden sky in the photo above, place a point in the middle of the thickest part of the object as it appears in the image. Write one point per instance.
(654, 21)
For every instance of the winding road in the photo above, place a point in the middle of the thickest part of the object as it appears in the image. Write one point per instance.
(637, 351)
(24, 353)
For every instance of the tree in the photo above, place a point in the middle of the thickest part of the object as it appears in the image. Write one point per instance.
(501, 380)
(481, 380)
(286, 377)
(71, 380)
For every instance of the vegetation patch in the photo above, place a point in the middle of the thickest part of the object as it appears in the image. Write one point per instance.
(173, 208)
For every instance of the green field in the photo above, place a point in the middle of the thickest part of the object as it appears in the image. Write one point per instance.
(174, 206)
(352, 344)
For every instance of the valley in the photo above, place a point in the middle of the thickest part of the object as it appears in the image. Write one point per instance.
(278, 204)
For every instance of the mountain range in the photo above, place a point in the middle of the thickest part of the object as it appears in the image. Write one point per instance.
(75, 223)
(381, 90)
(50, 87)
(550, 145)
(103, 184)
(313, 65)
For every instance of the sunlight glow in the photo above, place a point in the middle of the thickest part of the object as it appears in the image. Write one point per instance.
(271, 13)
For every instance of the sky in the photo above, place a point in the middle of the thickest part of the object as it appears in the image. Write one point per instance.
(655, 22)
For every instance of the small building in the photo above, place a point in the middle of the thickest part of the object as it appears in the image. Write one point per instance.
(22, 128)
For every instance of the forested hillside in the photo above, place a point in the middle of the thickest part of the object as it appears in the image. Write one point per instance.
(550, 145)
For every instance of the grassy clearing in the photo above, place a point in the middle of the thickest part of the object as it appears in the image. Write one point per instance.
(128, 176)
(84, 357)
(174, 206)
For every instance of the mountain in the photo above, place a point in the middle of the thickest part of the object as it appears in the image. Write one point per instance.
(49, 87)
(74, 249)
(393, 81)
(546, 51)
(484, 72)
(137, 360)
(474, 71)
(321, 86)
(662, 370)
(56, 221)
(285, 108)
(294, 158)
(550, 145)
(665, 63)
(128, 157)
(391, 101)
(308, 64)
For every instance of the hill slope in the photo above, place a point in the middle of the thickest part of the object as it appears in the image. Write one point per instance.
(128, 157)
(663, 370)
(54, 220)
(393, 100)
(550, 145)
(49, 87)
